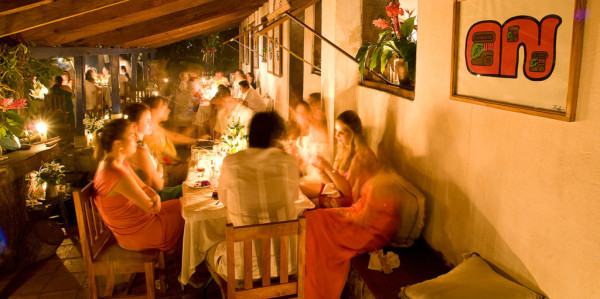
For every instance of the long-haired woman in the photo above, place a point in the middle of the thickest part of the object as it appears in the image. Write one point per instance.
(130, 208)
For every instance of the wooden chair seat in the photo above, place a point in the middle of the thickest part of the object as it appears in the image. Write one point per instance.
(102, 254)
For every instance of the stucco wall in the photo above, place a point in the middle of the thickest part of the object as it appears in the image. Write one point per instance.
(521, 190)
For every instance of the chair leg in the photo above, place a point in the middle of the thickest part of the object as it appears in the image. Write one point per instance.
(205, 288)
(161, 272)
(92, 285)
(149, 267)
(110, 281)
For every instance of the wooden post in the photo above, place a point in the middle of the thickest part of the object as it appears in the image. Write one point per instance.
(114, 82)
(79, 95)
(133, 83)
(145, 67)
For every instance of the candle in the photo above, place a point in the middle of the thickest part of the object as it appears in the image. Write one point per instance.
(42, 130)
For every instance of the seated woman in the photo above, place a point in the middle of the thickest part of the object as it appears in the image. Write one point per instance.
(334, 236)
(146, 166)
(130, 208)
(161, 142)
(354, 162)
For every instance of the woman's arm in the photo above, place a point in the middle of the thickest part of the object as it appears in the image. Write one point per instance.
(128, 187)
(153, 177)
(178, 138)
(329, 172)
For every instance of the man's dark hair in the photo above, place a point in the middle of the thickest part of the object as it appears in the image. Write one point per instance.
(265, 129)
(251, 74)
(124, 68)
(58, 80)
(244, 84)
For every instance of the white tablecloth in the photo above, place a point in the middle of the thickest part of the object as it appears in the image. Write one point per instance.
(205, 220)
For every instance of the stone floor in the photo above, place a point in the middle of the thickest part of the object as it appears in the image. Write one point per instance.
(63, 276)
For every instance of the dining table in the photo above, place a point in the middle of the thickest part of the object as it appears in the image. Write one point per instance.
(205, 220)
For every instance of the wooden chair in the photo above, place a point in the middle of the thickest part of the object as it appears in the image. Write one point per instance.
(104, 257)
(293, 288)
(56, 104)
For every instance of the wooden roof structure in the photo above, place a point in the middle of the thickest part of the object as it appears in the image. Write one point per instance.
(119, 23)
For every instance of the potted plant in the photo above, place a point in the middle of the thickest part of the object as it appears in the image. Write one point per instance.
(52, 174)
(235, 138)
(396, 43)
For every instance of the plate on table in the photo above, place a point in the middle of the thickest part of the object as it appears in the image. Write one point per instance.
(198, 184)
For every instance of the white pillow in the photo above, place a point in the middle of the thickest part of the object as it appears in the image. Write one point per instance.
(473, 278)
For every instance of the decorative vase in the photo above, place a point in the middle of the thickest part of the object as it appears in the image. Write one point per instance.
(51, 190)
(399, 73)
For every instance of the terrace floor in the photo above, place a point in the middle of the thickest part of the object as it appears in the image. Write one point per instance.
(63, 276)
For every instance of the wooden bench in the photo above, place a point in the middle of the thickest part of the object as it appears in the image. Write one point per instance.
(417, 263)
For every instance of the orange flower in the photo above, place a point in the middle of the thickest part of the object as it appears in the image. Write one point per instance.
(381, 23)
(393, 10)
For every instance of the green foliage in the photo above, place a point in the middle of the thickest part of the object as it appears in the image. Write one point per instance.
(51, 173)
(18, 68)
(235, 138)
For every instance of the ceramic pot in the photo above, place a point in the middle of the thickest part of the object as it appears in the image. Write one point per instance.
(51, 191)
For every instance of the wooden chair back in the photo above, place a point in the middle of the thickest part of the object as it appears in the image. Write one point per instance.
(56, 104)
(93, 233)
(104, 257)
(266, 233)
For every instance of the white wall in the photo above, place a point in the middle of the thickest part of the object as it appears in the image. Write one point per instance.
(521, 190)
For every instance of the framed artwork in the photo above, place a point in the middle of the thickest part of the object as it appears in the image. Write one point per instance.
(278, 53)
(255, 55)
(246, 50)
(270, 50)
(522, 56)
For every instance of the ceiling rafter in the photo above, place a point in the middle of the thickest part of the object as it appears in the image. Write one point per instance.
(9, 7)
(107, 19)
(191, 31)
(176, 21)
(50, 13)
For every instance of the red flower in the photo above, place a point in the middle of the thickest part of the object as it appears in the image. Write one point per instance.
(381, 23)
(13, 104)
(393, 10)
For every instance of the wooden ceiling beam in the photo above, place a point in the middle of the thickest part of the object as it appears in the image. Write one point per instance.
(107, 20)
(182, 19)
(190, 31)
(50, 52)
(9, 7)
(50, 13)
(191, 34)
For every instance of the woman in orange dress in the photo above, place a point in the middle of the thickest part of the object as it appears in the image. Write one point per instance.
(354, 163)
(131, 209)
(334, 236)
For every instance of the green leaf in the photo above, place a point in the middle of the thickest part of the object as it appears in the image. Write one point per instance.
(476, 50)
(407, 27)
(385, 57)
(375, 57)
(362, 51)
(383, 34)
(361, 64)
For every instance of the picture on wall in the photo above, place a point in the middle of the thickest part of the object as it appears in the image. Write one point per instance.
(277, 60)
(521, 56)
(255, 54)
(246, 50)
(270, 50)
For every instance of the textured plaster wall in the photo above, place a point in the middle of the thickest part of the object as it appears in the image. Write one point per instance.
(521, 190)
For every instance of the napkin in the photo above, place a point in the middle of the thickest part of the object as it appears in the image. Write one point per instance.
(331, 191)
(391, 259)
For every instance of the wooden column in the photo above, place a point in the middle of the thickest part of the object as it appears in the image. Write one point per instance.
(114, 82)
(145, 67)
(79, 95)
(133, 83)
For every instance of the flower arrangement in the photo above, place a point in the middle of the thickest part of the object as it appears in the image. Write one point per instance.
(92, 122)
(235, 138)
(39, 91)
(51, 173)
(397, 39)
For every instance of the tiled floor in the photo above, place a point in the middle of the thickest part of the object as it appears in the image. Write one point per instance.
(63, 276)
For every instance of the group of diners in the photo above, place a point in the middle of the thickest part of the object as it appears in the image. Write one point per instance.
(355, 211)
(197, 112)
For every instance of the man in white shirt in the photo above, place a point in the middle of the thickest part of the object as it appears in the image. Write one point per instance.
(233, 111)
(252, 98)
(257, 185)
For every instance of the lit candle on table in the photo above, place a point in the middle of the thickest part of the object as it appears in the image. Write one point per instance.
(42, 130)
